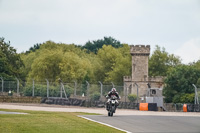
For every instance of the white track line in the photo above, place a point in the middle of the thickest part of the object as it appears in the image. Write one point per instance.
(104, 124)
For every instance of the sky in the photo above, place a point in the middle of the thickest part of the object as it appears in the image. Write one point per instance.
(172, 24)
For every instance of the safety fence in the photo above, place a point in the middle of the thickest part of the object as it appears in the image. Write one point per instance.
(88, 94)
(58, 89)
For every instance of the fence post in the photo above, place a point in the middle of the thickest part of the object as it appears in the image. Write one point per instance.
(137, 94)
(2, 84)
(61, 89)
(125, 91)
(101, 89)
(47, 88)
(196, 100)
(17, 86)
(88, 87)
(75, 86)
(33, 92)
(113, 85)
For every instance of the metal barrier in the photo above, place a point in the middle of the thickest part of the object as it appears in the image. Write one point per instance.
(56, 89)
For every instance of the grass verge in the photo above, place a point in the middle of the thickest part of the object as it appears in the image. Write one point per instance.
(49, 122)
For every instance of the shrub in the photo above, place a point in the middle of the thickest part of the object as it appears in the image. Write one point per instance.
(95, 96)
(69, 90)
(132, 97)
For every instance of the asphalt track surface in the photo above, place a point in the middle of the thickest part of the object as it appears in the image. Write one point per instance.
(127, 120)
(151, 124)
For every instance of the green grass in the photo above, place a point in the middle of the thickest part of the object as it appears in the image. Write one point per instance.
(49, 122)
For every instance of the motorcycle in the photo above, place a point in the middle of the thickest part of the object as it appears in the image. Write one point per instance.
(112, 105)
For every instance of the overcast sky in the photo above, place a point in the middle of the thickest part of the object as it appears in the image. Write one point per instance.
(172, 24)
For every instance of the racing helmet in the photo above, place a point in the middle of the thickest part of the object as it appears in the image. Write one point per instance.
(113, 90)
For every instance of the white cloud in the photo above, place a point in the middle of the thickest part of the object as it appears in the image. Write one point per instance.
(190, 51)
(152, 22)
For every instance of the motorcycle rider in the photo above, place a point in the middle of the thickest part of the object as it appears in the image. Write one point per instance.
(109, 95)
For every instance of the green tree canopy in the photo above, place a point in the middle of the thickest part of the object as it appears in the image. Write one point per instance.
(115, 63)
(34, 48)
(46, 65)
(121, 67)
(10, 61)
(178, 84)
(161, 62)
(56, 60)
(94, 46)
(74, 67)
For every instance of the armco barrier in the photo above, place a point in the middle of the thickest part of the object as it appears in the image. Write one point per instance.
(152, 107)
(184, 107)
(191, 108)
(143, 107)
(148, 107)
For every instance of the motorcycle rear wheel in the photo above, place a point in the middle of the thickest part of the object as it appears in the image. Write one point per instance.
(111, 113)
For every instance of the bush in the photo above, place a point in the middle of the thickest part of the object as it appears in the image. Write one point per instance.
(95, 96)
(69, 90)
(184, 98)
(41, 90)
(132, 97)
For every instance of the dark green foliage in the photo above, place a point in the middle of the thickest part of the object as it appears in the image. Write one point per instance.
(184, 98)
(94, 46)
(10, 62)
(161, 62)
(178, 84)
(41, 90)
(198, 83)
(69, 90)
(132, 97)
(34, 48)
(95, 96)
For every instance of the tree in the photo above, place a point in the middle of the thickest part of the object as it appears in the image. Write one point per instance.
(94, 46)
(121, 67)
(10, 61)
(161, 62)
(46, 65)
(73, 67)
(196, 64)
(28, 59)
(70, 62)
(178, 84)
(34, 48)
(115, 63)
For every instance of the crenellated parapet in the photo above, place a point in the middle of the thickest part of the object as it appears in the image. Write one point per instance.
(139, 50)
(156, 79)
(127, 79)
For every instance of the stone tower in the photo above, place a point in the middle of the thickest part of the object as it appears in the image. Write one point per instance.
(140, 59)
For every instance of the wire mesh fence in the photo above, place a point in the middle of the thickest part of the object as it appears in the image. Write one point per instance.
(84, 91)
(56, 89)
